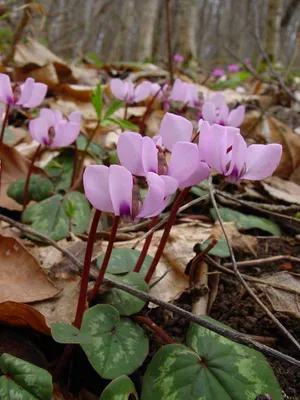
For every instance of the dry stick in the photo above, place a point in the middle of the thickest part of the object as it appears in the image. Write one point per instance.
(146, 246)
(245, 203)
(25, 195)
(147, 112)
(165, 235)
(163, 221)
(155, 328)
(275, 74)
(104, 265)
(168, 23)
(232, 335)
(251, 263)
(240, 277)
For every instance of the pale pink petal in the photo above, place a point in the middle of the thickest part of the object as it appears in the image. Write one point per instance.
(201, 173)
(205, 139)
(39, 130)
(157, 140)
(142, 91)
(154, 201)
(209, 112)
(38, 94)
(214, 151)
(178, 91)
(96, 187)
(120, 189)
(236, 116)
(48, 116)
(155, 88)
(117, 88)
(75, 116)
(26, 91)
(129, 149)
(58, 117)
(149, 155)
(175, 128)
(171, 185)
(6, 94)
(184, 161)
(65, 134)
(223, 114)
(191, 96)
(231, 134)
(238, 157)
(262, 160)
(218, 99)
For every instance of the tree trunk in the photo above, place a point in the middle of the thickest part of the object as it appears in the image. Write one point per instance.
(272, 37)
(146, 29)
(188, 23)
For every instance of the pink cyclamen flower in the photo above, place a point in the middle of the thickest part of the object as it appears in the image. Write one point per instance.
(141, 155)
(225, 150)
(218, 72)
(112, 189)
(29, 94)
(52, 130)
(233, 68)
(178, 58)
(127, 92)
(185, 92)
(247, 60)
(216, 111)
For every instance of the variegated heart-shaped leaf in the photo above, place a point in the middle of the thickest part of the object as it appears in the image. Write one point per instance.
(119, 389)
(119, 346)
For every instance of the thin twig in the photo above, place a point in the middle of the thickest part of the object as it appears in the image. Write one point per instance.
(164, 220)
(228, 333)
(259, 261)
(240, 277)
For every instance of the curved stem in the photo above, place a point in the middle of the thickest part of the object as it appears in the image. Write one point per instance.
(104, 265)
(146, 113)
(2, 137)
(165, 235)
(29, 173)
(183, 108)
(145, 249)
(155, 328)
(74, 165)
(86, 270)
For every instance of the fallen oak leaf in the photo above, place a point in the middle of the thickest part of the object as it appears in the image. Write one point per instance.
(21, 276)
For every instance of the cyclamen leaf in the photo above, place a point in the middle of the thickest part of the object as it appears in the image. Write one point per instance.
(66, 333)
(245, 222)
(124, 260)
(119, 389)
(212, 368)
(49, 216)
(61, 169)
(39, 189)
(119, 345)
(126, 303)
(23, 381)
(220, 249)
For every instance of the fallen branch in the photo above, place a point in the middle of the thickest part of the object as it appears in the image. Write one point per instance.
(228, 333)
(240, 277)
(259, 261)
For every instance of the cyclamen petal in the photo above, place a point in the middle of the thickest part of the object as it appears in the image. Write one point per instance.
(120, 189)
(39, 130)
(142, 91)
(209, 113)
(26, 91)
(262, 161)
(48, 116)
(117, 88)
(129, 149)
(6, 94)
(149, 156)
(184, 161)
(65, 134)
(38, 94)
(96, 187)
(173, 129)
(237, 157)
(236, 116)
(201, 173)
(75, 116)
(154, 200)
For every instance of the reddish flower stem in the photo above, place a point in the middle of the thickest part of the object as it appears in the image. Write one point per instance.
(165, 235)
(74, 165)
(29, 173)
(2, 137)
(86, 270)
(183, 108)
(104, 265)
(157, 329)
(147, 112)
(145, 249)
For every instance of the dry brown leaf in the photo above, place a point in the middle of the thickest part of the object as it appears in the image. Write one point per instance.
(281, 189)
(21, 276)
(67, 104)
(22, 315)
(268, 129)
(15, 166)
(282, 300)
(46, 74)
(80, 92)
